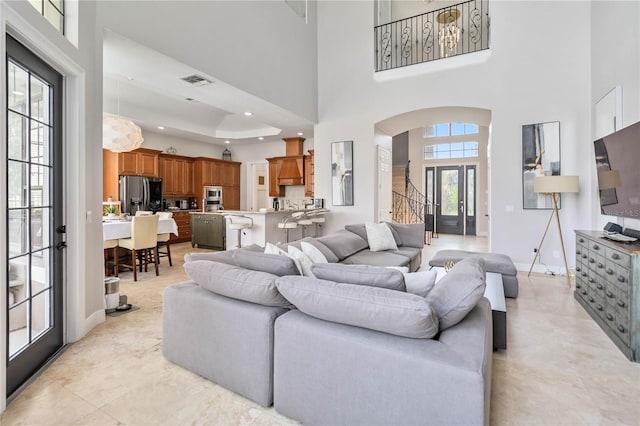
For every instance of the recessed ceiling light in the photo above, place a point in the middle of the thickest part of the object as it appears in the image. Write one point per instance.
(227, 142)
(300, 133)
(248, 113)
(260, 138)
(161, 127)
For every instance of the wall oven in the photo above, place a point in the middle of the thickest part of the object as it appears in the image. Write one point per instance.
(212, 199)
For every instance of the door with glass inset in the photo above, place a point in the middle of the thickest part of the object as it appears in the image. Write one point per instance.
(35, 232)
(450, 200)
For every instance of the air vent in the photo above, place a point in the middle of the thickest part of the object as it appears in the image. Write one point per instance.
(196, 80)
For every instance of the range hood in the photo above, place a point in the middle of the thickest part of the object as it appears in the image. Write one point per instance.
(290, 168)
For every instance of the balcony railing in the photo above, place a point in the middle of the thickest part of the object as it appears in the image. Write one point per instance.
(449, 31)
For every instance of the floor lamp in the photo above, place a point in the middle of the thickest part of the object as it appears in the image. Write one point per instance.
(554, 186)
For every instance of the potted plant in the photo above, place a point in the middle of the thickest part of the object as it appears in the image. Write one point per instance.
(110, 211)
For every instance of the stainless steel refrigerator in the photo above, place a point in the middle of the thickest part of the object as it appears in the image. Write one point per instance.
(140, 193)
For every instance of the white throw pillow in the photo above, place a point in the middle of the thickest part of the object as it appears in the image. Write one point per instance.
(304, 262)
(420, 283)
(314, 254)
(380, 237)
(273, 249)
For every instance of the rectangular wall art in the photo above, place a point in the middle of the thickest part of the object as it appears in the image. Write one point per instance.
(342, 173)
(540, 157)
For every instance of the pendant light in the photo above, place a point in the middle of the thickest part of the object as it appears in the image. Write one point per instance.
(118, 133)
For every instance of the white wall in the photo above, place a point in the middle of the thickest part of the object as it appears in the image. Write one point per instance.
(615, 61)
(261, 47)
(82, 68)
(187, 147)
(530, 76)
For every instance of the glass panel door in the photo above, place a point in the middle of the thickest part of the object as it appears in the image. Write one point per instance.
(450, 201)
(34, 212)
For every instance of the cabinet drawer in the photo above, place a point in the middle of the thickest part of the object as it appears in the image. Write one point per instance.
(596, 262)
(620, 258)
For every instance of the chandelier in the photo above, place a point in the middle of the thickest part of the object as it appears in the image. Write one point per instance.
(449, 34)
(118, 133)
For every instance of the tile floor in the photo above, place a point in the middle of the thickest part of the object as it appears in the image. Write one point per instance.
(559, 367)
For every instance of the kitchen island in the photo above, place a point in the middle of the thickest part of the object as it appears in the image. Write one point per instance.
(264, 227)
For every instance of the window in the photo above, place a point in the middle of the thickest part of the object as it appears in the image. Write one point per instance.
(451, 150)
(450, 129)
(52, 10)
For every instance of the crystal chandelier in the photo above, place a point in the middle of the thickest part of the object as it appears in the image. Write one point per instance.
(449, 34)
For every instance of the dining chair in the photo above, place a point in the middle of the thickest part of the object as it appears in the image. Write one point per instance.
(143, 244)
(109, 245)
(144, 213)
(164, 239)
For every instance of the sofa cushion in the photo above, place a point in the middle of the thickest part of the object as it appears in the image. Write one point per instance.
(235, 282)
(494, 262)
(343, 243)
(360, 274)
(420, 283)
(360, 230)
(272, 263)
(328, 254)
(411, 234)
(312, 251)
(379, 237)
(376, 258)
(303, 260)
(458, 292)
(219, 256)
(374, 308)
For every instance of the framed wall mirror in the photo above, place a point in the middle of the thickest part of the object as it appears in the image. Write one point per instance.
(540, 157)
(342, 173)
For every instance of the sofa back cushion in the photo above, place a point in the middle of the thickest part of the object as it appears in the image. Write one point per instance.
(343, 243)
(373, 276)
(237, 283)
(328, 254)
(360, 229)
(458, 292)
(379, 309)
(272, 263)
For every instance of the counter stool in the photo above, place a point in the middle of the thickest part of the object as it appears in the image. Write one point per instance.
(239, 226)
(304, 222)
(318, 221)
(286, 225)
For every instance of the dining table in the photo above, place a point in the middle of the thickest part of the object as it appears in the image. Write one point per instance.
(116, 229)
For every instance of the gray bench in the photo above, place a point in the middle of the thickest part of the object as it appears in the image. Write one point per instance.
(495, 262)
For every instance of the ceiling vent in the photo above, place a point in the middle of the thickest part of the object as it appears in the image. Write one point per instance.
(196, 80)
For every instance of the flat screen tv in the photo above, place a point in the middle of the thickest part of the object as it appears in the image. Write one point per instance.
(618, 166)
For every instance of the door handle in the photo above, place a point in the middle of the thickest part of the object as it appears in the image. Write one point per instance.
(61, 245)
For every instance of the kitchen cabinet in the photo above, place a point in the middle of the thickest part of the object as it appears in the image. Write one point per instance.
(177, 176)
(231, 197)
(140, 162)
(208, 230)
(183, 220)
(309, 174)
(275, 189)
(213, 172)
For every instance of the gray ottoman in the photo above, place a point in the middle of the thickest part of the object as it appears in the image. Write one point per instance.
(495, 262)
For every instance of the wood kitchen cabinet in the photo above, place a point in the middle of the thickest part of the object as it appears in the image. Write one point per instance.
(183, 220)
(309, 174)
(275, 189)
(213, 172)
(177, 176)
(140, 162)
(231, 197)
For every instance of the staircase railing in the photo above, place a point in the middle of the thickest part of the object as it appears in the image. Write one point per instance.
(414, 207)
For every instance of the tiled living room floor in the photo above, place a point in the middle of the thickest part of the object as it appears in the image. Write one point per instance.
(559, 367)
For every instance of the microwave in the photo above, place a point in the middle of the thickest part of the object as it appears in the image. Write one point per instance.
(212, 198)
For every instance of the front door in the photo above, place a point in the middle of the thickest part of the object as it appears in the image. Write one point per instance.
(450, 200)
(34, 214)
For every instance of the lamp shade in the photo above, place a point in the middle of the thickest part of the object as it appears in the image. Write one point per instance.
(555, 184)
(120, 134)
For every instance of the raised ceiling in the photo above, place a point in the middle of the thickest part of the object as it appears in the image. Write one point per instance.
(148, 87)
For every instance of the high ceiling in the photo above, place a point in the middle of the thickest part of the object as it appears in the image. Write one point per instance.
(147, 87)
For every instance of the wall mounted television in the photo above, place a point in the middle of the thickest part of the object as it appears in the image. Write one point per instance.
(618, 167)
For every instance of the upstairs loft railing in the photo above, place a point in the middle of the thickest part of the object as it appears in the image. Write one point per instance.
(450, 31)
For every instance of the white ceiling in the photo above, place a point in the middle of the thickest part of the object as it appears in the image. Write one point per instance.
(146, 87)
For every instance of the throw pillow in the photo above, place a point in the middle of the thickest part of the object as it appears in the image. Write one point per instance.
(314, 254)
(343, 243)
(458, 292)
(380, 237)
(237, 283)
(271, 263)
(379, 309)
(272, 249)
(420, 283)
(374, 276)
(303, 260)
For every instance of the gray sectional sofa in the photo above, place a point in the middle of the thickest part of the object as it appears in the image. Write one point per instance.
(362, 351)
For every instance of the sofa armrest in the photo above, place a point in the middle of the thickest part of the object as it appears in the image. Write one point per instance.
(411, 234)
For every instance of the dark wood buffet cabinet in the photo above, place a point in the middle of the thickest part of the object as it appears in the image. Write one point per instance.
(608, 287)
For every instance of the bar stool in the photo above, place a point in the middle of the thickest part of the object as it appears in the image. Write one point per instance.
(304, 222)
(239, 226)
(287, 224)
(318, 221)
